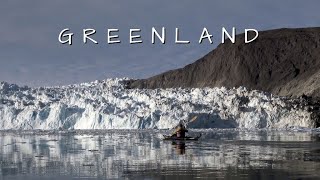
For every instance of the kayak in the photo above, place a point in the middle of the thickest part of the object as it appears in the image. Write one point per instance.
(166, 137)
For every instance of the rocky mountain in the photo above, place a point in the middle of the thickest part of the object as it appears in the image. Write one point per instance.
(285, 62)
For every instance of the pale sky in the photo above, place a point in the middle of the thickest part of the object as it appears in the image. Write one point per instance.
(32, 55)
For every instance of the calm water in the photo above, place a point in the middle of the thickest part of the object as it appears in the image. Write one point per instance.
(227, 154)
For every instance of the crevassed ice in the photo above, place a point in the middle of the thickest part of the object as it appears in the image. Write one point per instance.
(108, 104)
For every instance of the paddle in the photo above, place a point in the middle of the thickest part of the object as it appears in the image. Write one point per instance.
(191, 120)
(186, 123)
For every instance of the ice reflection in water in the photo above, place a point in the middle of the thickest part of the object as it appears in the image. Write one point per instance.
(142, 154)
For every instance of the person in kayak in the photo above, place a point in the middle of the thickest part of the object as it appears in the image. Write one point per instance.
(180, 131)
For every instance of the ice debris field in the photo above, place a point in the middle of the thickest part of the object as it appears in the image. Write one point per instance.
(108, 104)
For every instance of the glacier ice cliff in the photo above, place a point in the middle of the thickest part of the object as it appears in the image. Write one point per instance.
(108, 104)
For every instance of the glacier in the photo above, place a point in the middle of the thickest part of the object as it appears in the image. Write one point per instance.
(108, 104)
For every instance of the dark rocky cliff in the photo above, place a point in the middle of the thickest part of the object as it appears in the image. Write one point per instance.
(285, 62)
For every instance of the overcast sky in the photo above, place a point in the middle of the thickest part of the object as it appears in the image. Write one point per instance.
(32, 55)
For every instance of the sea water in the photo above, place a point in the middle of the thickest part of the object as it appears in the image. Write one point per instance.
(142, 154)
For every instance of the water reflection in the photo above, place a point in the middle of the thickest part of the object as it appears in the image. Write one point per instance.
(142, 154)
(180, 147)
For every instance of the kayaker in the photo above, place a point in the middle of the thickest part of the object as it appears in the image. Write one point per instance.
(180, 131)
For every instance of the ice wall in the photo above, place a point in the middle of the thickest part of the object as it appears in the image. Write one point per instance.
(109, 105)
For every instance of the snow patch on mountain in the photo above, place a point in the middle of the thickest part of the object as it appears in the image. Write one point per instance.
(108, 104)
